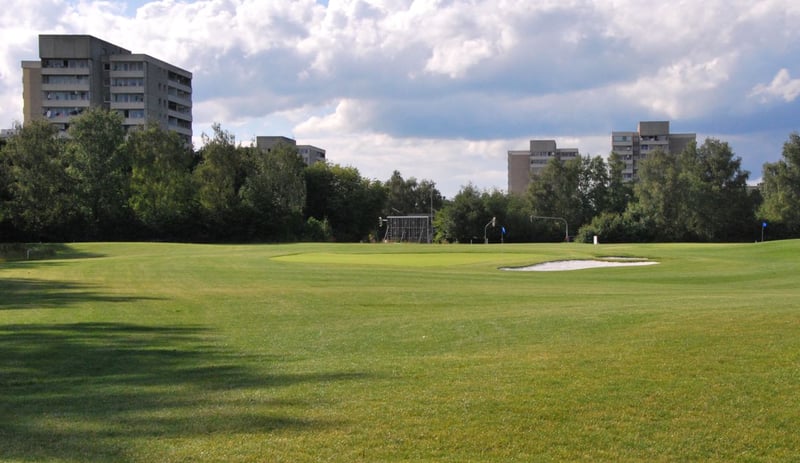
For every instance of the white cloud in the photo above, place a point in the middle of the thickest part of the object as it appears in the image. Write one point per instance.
(442, 89)
(680, 89)
(782, 87)
(349, 116)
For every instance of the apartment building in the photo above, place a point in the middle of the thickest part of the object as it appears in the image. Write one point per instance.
(634, 147)
(77, 72)
(310, 154)
(524, 164)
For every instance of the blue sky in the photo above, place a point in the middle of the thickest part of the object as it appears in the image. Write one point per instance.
(442, 89)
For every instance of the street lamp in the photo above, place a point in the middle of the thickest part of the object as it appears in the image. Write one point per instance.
(492, 223)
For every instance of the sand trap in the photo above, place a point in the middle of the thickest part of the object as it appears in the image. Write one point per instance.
(562, 265)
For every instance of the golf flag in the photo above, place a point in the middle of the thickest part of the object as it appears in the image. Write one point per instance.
(503, 229)
(764, 224)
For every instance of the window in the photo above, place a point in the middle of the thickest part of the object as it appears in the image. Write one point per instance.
(128, 97)
(65, 80)
(52, 113)
(132, 113)
(69, 95)
(128, 66)
(128, 82)
(65, 63)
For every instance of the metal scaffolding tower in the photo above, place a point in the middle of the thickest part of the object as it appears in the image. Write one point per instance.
(409, 229)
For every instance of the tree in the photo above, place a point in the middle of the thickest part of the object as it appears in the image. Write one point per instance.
(593, 187)
(274, 192)
(720, 208)
(162, 190)
(662, 197)
(556, 192)
(41, 196)
(219, 176)
(348, 202)
(781, 187)
(462, 220)
(620, 191)
(102, 170)
(399, 201)
(408, 197)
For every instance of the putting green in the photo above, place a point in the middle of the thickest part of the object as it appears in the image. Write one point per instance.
(444, 259)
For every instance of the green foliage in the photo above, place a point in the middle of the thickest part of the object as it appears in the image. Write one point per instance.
(781, 187)
(409, 196)
(615, 227)
(317, 230)
(464, 218)
(101, 170)
(662, 196)
(274, 192)
(218, 177)
(162, 189)
(575, 190)
(699, 195)
(720, 207)
(345, 200)
(619, 192)
(99, 185)
(41, 195)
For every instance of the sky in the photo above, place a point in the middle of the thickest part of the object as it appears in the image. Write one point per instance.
(442, 89)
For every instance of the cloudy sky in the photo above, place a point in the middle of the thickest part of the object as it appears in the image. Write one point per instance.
(442, 89)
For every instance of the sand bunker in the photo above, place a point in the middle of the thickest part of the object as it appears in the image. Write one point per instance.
(562, 265)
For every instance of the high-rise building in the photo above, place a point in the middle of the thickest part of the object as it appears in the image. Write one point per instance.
(633, 147)
(77, 72)
(523, 164)
(310, 154)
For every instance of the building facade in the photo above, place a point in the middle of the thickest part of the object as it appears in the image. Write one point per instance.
(524, 164)
(310, 154)
(634, 147)
(77, 72)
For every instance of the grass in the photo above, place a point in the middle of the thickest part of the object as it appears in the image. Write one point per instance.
(342, 353)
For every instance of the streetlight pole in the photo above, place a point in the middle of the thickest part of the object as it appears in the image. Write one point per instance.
(492, 223)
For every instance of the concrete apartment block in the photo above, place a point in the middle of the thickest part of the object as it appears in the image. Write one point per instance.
(633, 147)
(524, 164)
(77, 72)
(310, 154)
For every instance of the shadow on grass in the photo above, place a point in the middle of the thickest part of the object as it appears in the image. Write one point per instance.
(94, 391)
(26, 293)
(11, 253)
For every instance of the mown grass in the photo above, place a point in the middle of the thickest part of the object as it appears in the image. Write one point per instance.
(312, 352)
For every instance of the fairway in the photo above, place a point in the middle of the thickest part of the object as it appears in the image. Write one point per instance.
(158, 352)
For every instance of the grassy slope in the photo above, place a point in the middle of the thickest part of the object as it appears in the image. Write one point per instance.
(162, 352)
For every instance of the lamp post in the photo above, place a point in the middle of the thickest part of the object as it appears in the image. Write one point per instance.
(566, 226)
(492, 223)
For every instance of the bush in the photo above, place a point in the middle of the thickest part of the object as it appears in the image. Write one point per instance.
(317, 230)
(614, 227)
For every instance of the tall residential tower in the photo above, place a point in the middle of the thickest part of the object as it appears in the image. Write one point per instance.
(633, 147)
(77, 72)
(523, 164)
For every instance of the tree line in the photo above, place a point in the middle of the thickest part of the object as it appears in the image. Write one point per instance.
(699, 195)
(101, 183)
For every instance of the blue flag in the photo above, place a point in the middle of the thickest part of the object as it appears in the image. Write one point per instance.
(503, 229)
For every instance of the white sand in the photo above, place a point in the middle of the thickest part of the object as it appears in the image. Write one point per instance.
(562, 265)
